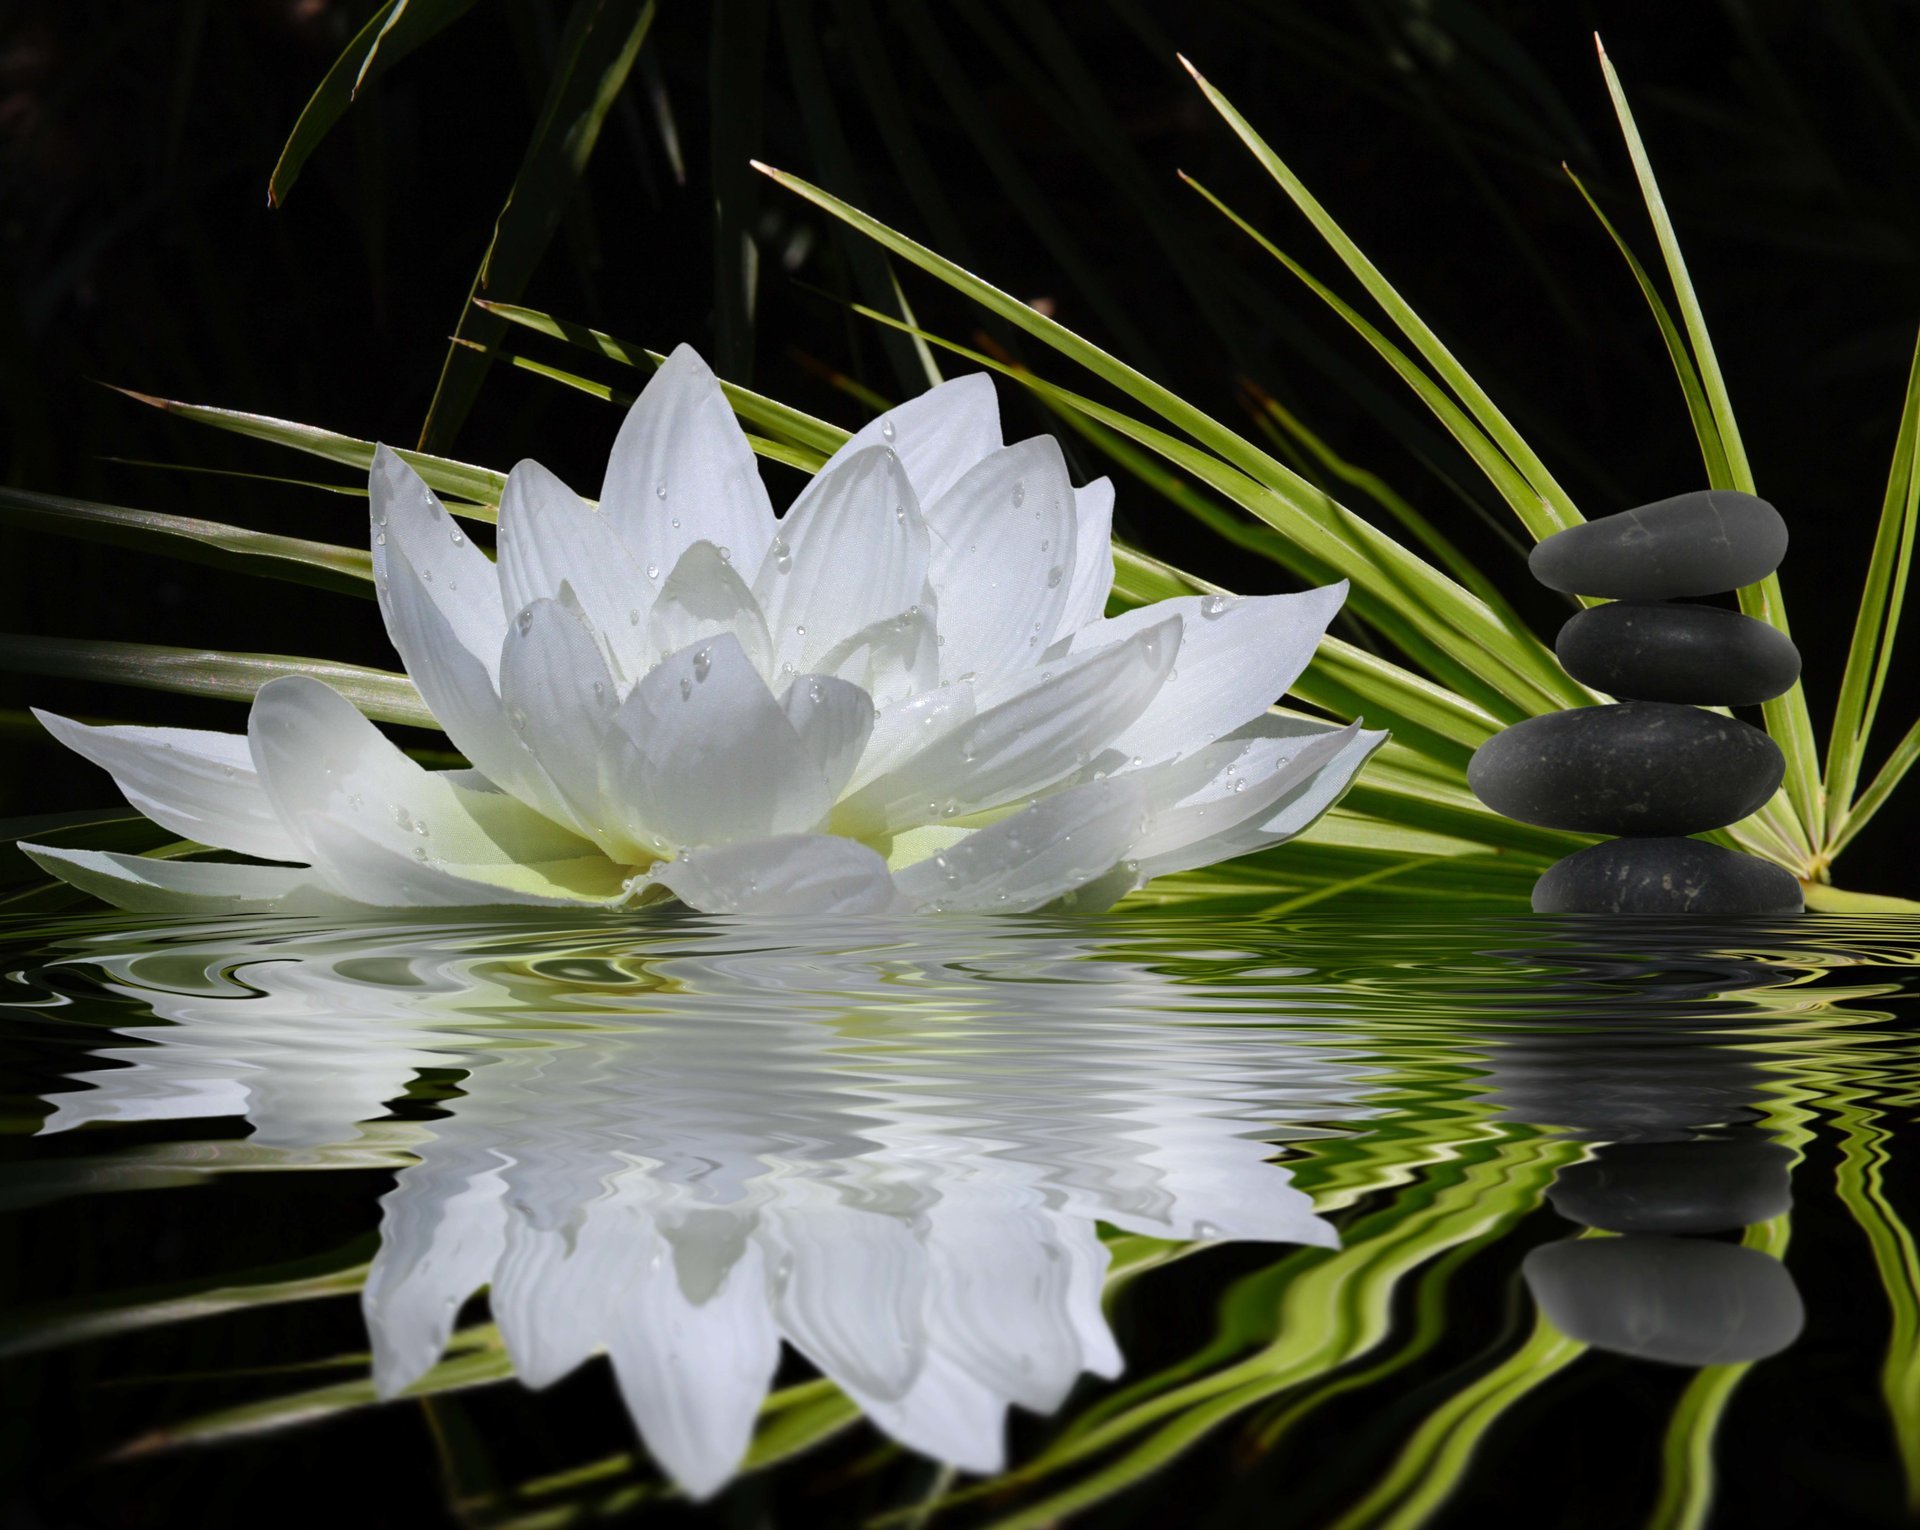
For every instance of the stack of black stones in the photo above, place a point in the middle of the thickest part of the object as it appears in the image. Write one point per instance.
(1655, 767)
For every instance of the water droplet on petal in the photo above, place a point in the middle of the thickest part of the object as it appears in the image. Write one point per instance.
(1054, 576)
(726, 555)
(518, 717)
(887, 431)
(599, 690)
(660, 490)
(455, 535)
(686, 689)
(653, 571)
(524, 621)
(633, 616)
(676, 523)
(1212, 606)
(800, 628)
(702, 662)
(380, 540)
(782, 555)
(1240, 786)
(1019, 493)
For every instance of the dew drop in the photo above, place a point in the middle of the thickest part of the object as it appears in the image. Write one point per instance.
(420, 853)
(887, 431)
(660, 490)
(800, 628)
(726, 555)
(427, 574)
(1054, 576)
(380, 540)
(455, 535)
(1212, 606)
(676, 523)
(1019, 493)
(1045, 543)
(633, 616)
(816, 693)
(653, 571)
(524, 621)
(1240, 786)
(702, 662)
(900, 514)
(518, 717)
(686, 688)
(782, 555)
(599, 690)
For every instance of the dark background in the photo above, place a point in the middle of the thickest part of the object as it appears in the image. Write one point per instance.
(136, 139)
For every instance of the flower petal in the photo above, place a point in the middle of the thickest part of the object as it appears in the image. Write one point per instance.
(834, 719)
(146, 885)
(704, 596)
(454, 575)
(945, 1414)
(938, 435)
(550, 536)
(1029, 859)
(891, 659)
(1031, 740)
(1003, 543)
(200, 785)
(794, 874)
(1092, 579)
(682, 472)
(850, 1289)
(436, 1249)
(716, 759)
(852, 550)
(1237, 657)
(906, 727)
(694, 1374)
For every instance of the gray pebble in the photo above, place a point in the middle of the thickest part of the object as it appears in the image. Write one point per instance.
(1639, 767)
(1703, 543)
(1665, 876)
(1687, 1301)
(1652, 651)
(1676, 1187)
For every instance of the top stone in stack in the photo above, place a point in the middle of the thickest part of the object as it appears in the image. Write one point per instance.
(1705, 543)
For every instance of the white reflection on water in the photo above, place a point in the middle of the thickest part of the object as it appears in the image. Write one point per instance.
(889, 1149)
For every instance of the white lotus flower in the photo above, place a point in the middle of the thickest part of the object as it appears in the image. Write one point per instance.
(902, 695)
(892, 1159)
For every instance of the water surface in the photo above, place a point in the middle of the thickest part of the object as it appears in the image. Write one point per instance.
(1316, 1222)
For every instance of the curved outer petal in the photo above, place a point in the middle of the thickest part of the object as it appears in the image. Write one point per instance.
(794, 874)
(1060, 843)
(1092, 579)
(452, 574)
(385, 832)
(1003, 546)
(1027, 742)
(694, 1374)
(852, 550)
(550, 536)
(1237, 657)
(715, 759)
(704, 596)
(561, 698)
(893, 658)
(938, 435)
(435, 1252)
(682, 472)
(553, 1288)
(834, 720)
(904, 728)
(945, 1414)
(1282, 784)
(200, 785)
(146, 885)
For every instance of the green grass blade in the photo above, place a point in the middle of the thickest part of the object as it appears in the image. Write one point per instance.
(479, 486)
(1555, 509)
(347, 570)
(391, 33)
(596, 53)
(1786, 716)
(1879, 789)
(1871, 652)
(1705, 428)
(382, 695)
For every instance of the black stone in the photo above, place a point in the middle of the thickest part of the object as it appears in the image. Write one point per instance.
(1694, 544)
(1665, 876)
(1640, 767)
(1687, 1301)
(1651, 651)
(1676, 1187)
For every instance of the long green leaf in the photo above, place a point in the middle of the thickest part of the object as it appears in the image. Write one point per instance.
(382, 695)
(1870, 801)
(391, 33)
(345, 569)
(596, 53)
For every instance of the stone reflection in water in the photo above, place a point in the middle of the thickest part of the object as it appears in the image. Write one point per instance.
(1633, 1061)
(686, 1148)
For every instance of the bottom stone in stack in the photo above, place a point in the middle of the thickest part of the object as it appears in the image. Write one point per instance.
(1665, 876)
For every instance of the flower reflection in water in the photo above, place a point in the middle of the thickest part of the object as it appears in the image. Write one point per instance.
(686, 1146)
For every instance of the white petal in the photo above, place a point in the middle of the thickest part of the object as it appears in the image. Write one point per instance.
(834, 720)
(945, 1414)
(794, 874)
(553, 1290)
(200, 785)
(561, 698)
(938, 435)
(549, 536)
(1003, 543)
(1237, 657)
(906, 727)
(453, 574)
(146, 885)
(704, 596)
(852, 550)
(891, 659)
(1291, 779)
(694, 1375)
(1031, 740)
(849, 1289)
(436, 1250)
(1092, 579)
(1060, 843)
(717, 761)
(681, 456)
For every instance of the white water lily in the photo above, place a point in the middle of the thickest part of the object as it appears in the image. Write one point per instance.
(903, 695)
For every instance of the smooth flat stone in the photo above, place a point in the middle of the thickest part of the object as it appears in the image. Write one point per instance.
(1666, 876)
(1676, 1187)
(1703, 543)
(1687, 1301)
(1651, 651)
(1639, 767)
